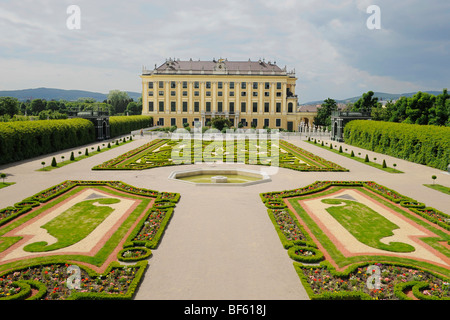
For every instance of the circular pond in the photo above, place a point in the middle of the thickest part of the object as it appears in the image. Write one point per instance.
(220, 177)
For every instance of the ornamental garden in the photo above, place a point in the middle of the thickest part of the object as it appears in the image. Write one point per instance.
(361, 240)
(103, 229)
(347, 239)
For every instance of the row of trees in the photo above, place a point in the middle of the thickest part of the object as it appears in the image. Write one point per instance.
(422, 108)
(117, 103)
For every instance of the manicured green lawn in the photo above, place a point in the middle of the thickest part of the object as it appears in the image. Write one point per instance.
(74, 224)
(438, 187)
(365, 224)
(6, 184)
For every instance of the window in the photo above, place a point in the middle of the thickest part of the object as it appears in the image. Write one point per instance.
(278, 93)
(196, 106)
(254, 123)
(231, 85)
(219, 93)
(231, 93)
(161, 106)
(231, 107)
(161, 122)
(255, 93)
(219, 106)
(150, 85)
(255, 106)
(244, 122)
(185, 106)
(150, 106)
(266, 94)
(266, 107)
(243, 94)
(208, 85)
(185, 84)
(161, 93)
(220, 85)
(208, 93)
(208, 106)
(196, 85)
(278, 122)
(243, 85)
(185, 120)
(267, 85)
(150, 93)
(255, 85)
(173, 93)
(173, 106)
(184, 93)
(290, 107)
(196, 93)
(266, 123)
(278, 107)
(278, 85)
(173, 121)
(161, 84)
(243, 107)
(173, 84)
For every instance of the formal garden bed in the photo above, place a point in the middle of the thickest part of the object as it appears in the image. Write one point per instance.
(41, 271)
(327, 267)
(160, 152)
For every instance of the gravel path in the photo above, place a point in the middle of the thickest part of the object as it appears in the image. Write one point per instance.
(220, 243)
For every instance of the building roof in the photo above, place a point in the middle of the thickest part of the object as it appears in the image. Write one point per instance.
(220, 66)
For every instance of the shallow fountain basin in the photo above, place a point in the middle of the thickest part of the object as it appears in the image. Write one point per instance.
(220, 177)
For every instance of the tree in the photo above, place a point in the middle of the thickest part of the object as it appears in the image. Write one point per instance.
(119, 100)
(54, 164)
(133, 109)
(221, 122)
(3, 176)
(38, 105)
(9, 106)
(72, 157)
(418, 107)
(323, 117)
(366, 102)
(433, 177)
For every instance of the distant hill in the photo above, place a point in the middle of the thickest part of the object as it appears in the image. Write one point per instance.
(382, 96)
(59, 94)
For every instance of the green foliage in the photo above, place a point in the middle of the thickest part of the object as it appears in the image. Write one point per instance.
(428, 145)
(72, 156)
(120, 125)
(323, 117)
(26, 139)
(54, 164)
(384, 164)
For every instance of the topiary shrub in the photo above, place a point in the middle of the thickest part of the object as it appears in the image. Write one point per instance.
(54, 164)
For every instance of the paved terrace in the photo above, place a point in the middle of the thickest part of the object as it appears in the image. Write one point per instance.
(220, 243)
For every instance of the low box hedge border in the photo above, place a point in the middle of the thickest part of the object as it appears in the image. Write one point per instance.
(271, 198)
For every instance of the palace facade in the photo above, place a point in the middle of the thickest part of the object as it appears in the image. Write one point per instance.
(254, 94)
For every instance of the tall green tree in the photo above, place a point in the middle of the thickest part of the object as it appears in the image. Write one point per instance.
(418, 108)
(366, 102)
(323, 117)
(119, 100)
(9, 106)
(38, 105)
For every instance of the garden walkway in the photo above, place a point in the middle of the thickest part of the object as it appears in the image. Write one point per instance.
(220, 243)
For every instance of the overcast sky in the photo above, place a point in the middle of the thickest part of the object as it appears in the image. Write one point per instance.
(327, 42)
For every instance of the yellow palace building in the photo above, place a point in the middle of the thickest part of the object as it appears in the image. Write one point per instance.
(254, 94)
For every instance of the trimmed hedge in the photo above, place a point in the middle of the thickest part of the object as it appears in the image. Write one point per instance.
(27, 139)
(120, 125)
(423, 144)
